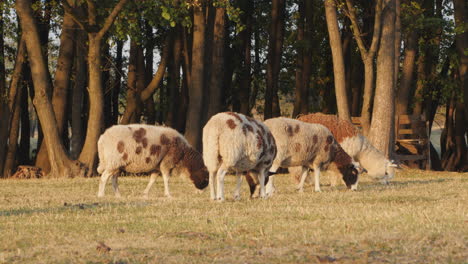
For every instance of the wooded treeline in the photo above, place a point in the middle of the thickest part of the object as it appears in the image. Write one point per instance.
(69, 69)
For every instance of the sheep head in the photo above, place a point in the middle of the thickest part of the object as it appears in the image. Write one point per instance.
(350, 176)
(200, 178)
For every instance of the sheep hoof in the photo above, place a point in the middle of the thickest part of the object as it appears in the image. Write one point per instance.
(100, 195)
(318, 190)
(145, 196)
(220, 200)
(237, 197)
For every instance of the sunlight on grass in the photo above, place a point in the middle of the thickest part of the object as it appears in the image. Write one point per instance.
(421, 217)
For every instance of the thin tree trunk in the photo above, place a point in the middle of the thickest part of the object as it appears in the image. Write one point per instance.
(131, 83)
(77, 117)
(407, 73)
(397, 41)
(299, 97)
(381, 130)
(117, 82)
(217, 64)
(61, 84)
(275, 47)
(195, 107)
(10, 160)
(25, 144)
(421, 75)
(174, 82)
(246, 76)
(461, 39)
(338, 60)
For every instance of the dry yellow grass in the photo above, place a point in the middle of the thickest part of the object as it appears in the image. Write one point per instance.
(421, 217)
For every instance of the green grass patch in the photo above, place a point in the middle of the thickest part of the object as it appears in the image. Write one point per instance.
(421, 217)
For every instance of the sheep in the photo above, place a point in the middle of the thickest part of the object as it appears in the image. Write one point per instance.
(309, 146)
(142, 148)
(235, 142)
(355, 144)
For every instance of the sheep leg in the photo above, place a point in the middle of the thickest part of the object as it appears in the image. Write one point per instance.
(261, 179)
(238, 186)
(333, 178)
(220, 180)
(317, 178)
(165, 175)
(115, 185)
(304, 174)
(150, 183)
(270, 187)
(102, 183)
(212, 185)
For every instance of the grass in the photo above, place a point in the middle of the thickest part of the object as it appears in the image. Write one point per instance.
(421, 217)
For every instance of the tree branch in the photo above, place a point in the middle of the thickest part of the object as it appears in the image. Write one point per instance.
(355, 28)
(111, 18)
(149, 90)
(70, 10)
(377, 28)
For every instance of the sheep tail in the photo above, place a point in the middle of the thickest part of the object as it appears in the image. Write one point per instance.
(101, 166)
(211, 148)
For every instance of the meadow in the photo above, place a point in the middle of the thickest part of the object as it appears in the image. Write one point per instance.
(421, 217)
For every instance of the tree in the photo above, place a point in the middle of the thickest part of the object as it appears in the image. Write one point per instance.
(381, 130)
(61, 165)
(368, 56)
(338, 60)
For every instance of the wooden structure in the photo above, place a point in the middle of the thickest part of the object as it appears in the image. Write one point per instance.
(412, 137)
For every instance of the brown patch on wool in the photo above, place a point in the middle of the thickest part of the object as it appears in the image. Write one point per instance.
(120, 146)
(329, 140)
(271, 139)
(249, 127)
(220, 159)
(165, 140)
(340, 128)
(148, 160)
(231, 124)
(326, 148)
(144, 142)
(252, 183)
(315, 139)
(138, 150)
(155, 150)
(262, 129)
(297, 128)
(244, 130)
(260, 142)
(139, 134)
(289, 130)
(297, 147)
(272, 151)
(235, 115)
(125, 156)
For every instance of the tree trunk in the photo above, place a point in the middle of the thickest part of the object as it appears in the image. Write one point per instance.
(61, 85)
(275, 47)
(117, 82)
(338, 61)
(299, 97)
(61, 165)
(217, 64)
(397, 42)
(174, 83)
(7, 114)
(193, 131)
(461, 39)
(131, 84)
(421, 75)
(77, 117)
(407, 73)
(25, 145)
(246, 76)
(10, 160)
(381, 130)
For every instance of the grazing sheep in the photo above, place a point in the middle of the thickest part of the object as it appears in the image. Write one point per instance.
(144, 148)
(355, 144)
(235, 142)
(309, 146)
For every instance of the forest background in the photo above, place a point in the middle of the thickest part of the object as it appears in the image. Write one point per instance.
(70, 69)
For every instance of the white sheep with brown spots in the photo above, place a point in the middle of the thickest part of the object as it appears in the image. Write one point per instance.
(237, 143)
(144, 148)
(355, 144)
(308, 146)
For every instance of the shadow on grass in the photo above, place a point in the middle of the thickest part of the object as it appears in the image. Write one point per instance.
(69, 207)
